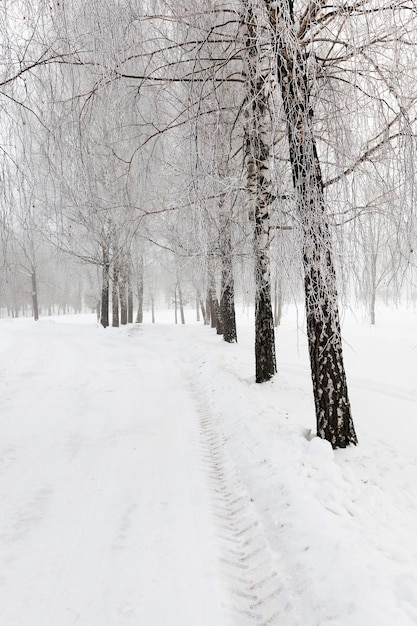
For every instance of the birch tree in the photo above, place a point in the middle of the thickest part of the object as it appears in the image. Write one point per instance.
(166, 103)
(259, 139)
(313, 42)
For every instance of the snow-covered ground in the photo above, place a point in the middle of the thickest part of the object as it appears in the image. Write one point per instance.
(146, 480)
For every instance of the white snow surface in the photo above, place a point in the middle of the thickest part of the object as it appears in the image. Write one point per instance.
(147, 480)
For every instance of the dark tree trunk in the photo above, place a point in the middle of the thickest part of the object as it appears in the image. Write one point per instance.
(333, 415)
(115, 297)
(139, 314)
(105, 295)
(227, 298)
(258, 141)
(215, 314)
(265, 359)
(123, 297)
(35, 302)
(227, 308)
(208, 321)
(129, 300)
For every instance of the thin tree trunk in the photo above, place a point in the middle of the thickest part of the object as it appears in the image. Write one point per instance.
(372, 301)
(227, 298)
(139, 314)
(115, 296)
(203, 308)
(35, 303)
(181, 304)
(209, 318)
(129, 299)
(227, 303)
(123, 295)
(215, 314)
(105, 296)
(372, 295)
(153, 308)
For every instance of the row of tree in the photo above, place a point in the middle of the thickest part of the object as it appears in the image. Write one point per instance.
(205, 138)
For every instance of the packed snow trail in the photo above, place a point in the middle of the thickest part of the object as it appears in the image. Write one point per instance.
(106, 515)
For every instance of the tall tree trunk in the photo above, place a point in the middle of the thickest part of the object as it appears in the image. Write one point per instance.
(227, 303)
(203, 308)
(153, 308)
(264, 322)
(139, 314)
(258, 141)
(372, 294)
(333, 414)
(227, 297)
(115, 295)
(105, 288)
(181, 303)
(123, 294)
(215, 314)
(129, 298)
(35, 302)
(209, 317)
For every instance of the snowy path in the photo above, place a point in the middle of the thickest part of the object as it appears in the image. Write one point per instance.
(146, 480)
(120, 505)
(106, 515)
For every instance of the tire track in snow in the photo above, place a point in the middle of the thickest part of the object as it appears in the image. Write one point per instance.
(258, 590)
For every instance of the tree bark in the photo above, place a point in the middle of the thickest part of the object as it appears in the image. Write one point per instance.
(265, 359)
(227, 297)
(139, 314)
(129, 299)
(123, 296)
(258, 141)
(181, 303)
(333, 413)
(105, 296)
(115, 296)
(372, 295)
(215, 314)
(209, 317)
(35, 302)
